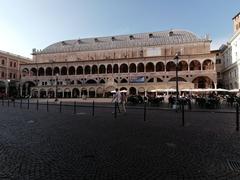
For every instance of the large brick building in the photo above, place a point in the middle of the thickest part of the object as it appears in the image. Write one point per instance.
(10, 72)
(138, 63)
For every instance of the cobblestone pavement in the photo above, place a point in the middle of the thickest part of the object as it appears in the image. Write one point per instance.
(53, 145)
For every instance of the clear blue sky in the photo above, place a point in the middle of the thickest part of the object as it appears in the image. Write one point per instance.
(31, 24)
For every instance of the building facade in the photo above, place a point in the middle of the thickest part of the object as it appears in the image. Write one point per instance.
(138, 63)
(231, 57)
(10, 73)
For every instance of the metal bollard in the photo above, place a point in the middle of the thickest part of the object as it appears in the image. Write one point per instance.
(115, 110)
(145, 111)
(37, 105)
(60, 106)
(28, 103)
(21, 103)
(183, 120)
(47, 106)
(8, 102)
(14, 103)
(2, 102)
(74, 107)
(237, 117)
(93, 106)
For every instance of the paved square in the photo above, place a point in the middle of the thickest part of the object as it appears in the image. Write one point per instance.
(52, 145)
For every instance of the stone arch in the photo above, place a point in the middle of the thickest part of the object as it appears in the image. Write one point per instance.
(34, 93)
(83, 91)
(102, 81)
(87, 69)
(79, 70)
(91, 92)
(43, 93)
(132, 91)
(41, 71)
(208, 65)
(159, 79)
(124, 68)
(109, 68)
(132, 68)
(33, 72)
(56, 70)
(102, 69)
(150, 67)
(140, 67)
(63, 70)
(67, 93)
(150, 80)
(182, 66)
(160, 67)
(94, 69)
(123, 80)
(91, 81)
(123, 88)
(71, 70)
(99, 92)
(179, 79)
(115, 68)
(141, 91)
(25, 72)
(75, 93)
(51, 93)
(195, 65)
(171, 66)
(203, 82)
(49, 71)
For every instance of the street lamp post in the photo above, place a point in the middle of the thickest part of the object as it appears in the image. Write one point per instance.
(56, 99)
(177, 58)
(8, 81)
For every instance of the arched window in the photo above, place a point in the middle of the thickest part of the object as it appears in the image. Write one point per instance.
(49, 71)
(94, 69)
(63, 71)
(123, 68)
(79, 70)
(195, 65)
(132, 68)
(150, 67)
(159, 67)
(71, 70)
(40, 71)
(182, 66)
(33, 71)
(208, 65)
(109, 68)
(171, 66)
(91, 81)
(115, 68)
(140, 67)
(102, 69)
(56, 70)
(179, 79)
(87, 69)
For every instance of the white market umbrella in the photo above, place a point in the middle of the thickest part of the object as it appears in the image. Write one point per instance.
(233, 90)
(124, 91)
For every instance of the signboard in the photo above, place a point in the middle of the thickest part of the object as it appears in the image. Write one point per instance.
(137, 79)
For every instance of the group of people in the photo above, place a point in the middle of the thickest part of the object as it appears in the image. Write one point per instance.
(120, 99)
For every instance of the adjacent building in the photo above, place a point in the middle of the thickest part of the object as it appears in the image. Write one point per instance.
(10, 73)
(138, 63)
(230, 54)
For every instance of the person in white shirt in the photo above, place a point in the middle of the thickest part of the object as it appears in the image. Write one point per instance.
(117, 99)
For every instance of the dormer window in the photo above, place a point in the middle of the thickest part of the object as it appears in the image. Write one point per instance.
(170, 33)
(79, 41)
(96, 40)
(64, 43)
(131, 37)
(150, 35)
(113, 38)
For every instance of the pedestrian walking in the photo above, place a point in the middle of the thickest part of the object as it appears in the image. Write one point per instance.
(117, 99)
(123, 101)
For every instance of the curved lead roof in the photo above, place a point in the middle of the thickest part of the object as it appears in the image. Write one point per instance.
(124, 41)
